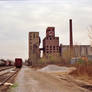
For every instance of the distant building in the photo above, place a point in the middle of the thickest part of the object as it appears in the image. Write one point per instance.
(51, 47)
(51, 43)
(34, 42)
(90, 58)
(78, 50)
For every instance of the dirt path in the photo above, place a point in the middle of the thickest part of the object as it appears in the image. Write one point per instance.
(29, 80)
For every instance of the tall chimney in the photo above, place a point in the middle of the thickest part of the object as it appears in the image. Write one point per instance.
(71, 35)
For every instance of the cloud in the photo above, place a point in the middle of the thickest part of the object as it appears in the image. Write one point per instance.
(17, 18)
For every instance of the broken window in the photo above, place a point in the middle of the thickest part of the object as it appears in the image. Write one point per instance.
(50, 38)
(34, 35)
(47, 52)
(53, 47)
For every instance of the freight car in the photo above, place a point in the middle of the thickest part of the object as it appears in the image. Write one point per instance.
(8, 63)
(18, 62)
(2, 62)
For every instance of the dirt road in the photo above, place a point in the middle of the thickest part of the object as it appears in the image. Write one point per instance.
(29, 80)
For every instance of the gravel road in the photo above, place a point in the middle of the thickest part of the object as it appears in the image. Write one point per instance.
(29, 80)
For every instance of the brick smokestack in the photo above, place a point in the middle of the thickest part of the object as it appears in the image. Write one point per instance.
(71, 34)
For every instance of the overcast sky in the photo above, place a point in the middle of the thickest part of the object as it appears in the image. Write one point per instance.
(18, 17)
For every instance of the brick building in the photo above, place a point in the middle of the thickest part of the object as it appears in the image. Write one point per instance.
(51, 43)
(34, 42)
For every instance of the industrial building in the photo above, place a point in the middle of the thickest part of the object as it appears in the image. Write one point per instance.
(50, 43)
(78, 50)
(34, 42)
(52, 47)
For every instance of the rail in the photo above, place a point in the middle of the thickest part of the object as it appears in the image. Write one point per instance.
(10, 76)
(2, 69)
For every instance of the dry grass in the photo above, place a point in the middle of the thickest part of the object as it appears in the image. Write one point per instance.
(83, 69)
(51, 60)
(83, 72)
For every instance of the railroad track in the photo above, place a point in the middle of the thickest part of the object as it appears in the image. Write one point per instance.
(6, 76)
(2, 69)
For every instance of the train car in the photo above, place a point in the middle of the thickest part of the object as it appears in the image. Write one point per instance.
(7, 63)
(18, 62)
(2, 62)
(10, 63)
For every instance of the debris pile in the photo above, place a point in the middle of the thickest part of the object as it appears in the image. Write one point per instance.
(55, 68)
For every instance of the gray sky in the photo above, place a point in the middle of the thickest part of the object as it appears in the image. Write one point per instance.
(18, 17)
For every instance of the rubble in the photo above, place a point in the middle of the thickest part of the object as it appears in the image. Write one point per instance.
(56, 68)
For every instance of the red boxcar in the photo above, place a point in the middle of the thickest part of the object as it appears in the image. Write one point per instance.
(18, 62)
